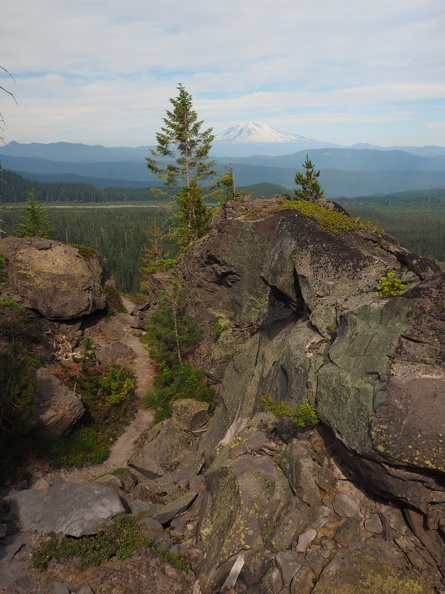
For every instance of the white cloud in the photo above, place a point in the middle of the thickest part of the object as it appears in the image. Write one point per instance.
(101, 71)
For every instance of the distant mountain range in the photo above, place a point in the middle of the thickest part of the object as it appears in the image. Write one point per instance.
(258, 153)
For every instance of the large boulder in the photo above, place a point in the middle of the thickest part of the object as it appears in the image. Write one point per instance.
(73, 509)
(59, 281)
(57, 407)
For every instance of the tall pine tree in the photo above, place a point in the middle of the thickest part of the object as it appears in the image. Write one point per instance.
(181, 159)
(182, 152)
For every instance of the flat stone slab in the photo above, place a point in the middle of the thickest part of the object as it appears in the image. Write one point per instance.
(69, 508)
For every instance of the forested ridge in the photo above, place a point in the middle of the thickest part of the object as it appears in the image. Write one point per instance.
(84, 214)
(15, 188)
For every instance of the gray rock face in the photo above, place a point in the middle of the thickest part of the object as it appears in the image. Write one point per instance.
(69, 508)
(317, 332)
(273, 507)
(170, 441)
(53, 278)
(58, 407)
(249, 497)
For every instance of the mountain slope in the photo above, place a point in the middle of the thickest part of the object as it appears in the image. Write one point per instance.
(255, 132)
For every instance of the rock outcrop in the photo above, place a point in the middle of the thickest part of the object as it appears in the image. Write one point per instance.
(256, 503)
(57, 280)
(304, 324)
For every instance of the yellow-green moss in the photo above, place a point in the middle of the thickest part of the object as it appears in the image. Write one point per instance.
(331, 220)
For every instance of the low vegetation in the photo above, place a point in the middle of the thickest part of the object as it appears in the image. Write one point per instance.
(304, 415)
(390, 286)
(172, 335)
(17, 388)
(108, 395)
(118, 539)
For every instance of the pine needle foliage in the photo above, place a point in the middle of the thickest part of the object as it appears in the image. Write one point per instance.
(171, 334)
(35, 220)
(310, 188)
(182, 152)
(193, 217)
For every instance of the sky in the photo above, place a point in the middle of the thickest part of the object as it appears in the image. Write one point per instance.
(102, 71)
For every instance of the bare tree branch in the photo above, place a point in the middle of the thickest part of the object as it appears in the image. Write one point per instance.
(2, 119)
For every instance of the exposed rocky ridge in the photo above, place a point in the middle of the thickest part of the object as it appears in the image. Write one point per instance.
(318, 332)
(256, 504)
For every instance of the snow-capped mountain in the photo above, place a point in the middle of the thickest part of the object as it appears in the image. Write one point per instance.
(249, 132)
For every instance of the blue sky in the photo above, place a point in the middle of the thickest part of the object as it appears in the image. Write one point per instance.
(102, 71)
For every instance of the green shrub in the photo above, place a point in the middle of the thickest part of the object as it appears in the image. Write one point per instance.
(170, 384)
(390, 286)
(177, 562)
(20, 326)
(108, 394)
(120, 539)
(172, 335)
(303, 415)
(219, 329)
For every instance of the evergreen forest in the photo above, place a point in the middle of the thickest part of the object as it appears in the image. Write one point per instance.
(83, 214)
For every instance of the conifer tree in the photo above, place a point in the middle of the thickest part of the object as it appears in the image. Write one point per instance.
(35, 220)
(182, 152)
(310, 188)
(226, 188)
(192, 219)
(171, 333)
(154, 258)
(181, 159)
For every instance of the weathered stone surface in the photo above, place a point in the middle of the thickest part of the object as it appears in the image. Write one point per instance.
(348, 531)
(167, 512)
(375, 566)
(74, 509)
(288, 564)
(190, 414)
(278, 367)
(301, 470)
(54, 278)
(249, 497)
(331, 265)
(166, 444)
(303, 324)
(305, 539)
(345, 506)
(58, 407)
(116, 353)
(352, 383)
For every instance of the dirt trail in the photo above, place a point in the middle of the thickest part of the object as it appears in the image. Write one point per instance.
(122, 450)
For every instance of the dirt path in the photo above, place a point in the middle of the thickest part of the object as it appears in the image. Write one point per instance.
(142, 367)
